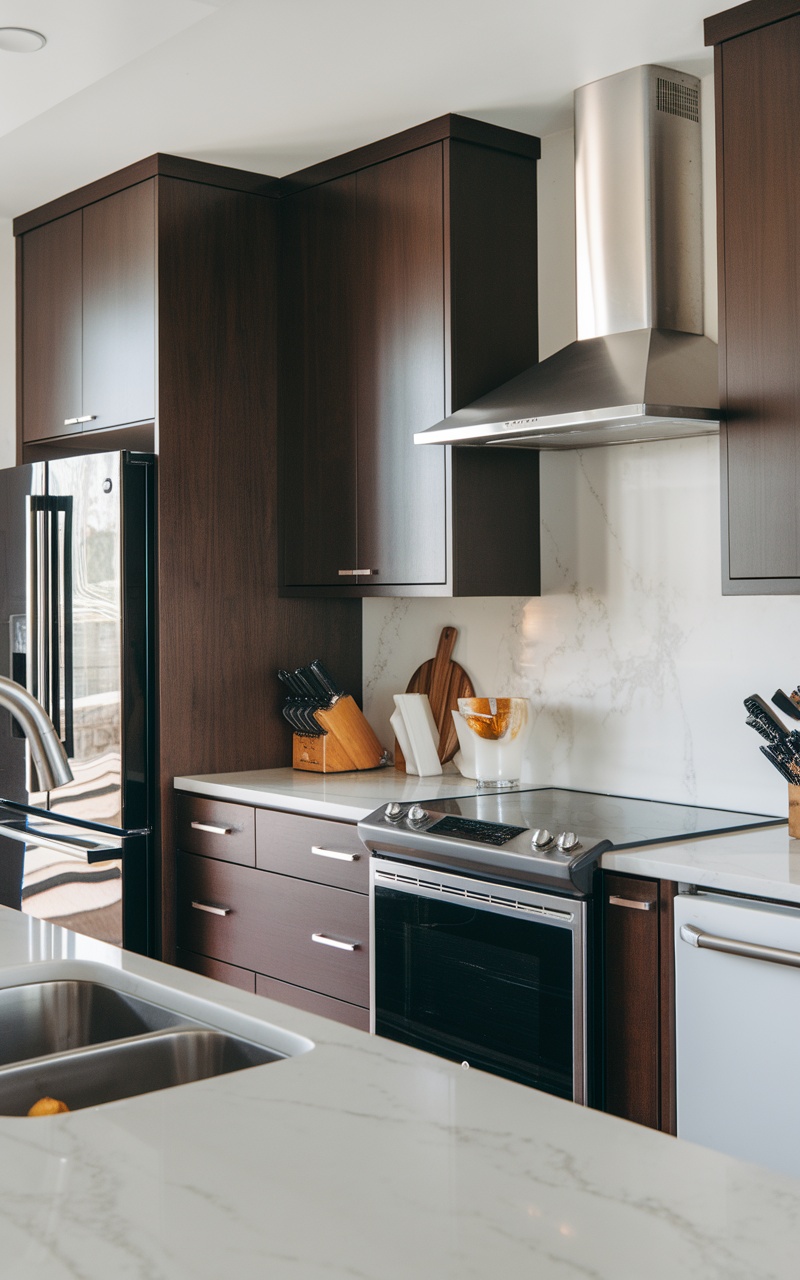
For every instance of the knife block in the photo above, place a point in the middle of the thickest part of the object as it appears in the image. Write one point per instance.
(348, 742)
(794, 811)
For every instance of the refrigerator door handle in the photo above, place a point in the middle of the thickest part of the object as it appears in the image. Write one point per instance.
(36, 601)
(86, 850)
(61, 618)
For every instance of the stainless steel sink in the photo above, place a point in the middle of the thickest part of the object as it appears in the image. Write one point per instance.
(105, 1073)
(85, 1043)
(53, 1017)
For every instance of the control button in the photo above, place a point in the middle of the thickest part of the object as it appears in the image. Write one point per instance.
(393, 812)
(541, 838)
(567, 842)
(416, 815)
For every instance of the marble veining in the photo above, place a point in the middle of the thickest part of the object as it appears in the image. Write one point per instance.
(363, 1158)
(635, 663)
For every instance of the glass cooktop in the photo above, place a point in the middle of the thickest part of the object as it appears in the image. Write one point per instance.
(625, 821)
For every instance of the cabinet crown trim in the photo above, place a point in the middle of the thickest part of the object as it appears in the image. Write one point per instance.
(747, 17)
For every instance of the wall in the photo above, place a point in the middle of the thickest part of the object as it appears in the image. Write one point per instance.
(635, 664)
(7, 348)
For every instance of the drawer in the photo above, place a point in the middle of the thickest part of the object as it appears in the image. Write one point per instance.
(268, 923)
(215, 828)
(352, 1015)
(312, 848)
(230, 973)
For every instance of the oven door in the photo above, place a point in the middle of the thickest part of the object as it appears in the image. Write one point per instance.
(484, 974)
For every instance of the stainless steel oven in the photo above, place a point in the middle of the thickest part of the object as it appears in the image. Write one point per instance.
(486, 974)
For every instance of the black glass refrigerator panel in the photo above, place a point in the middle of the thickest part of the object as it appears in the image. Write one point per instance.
(453, 980)
(77, 595)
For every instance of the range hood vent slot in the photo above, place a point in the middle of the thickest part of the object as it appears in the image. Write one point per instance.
(677, 99)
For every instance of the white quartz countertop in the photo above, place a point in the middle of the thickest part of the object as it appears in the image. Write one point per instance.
(361, 1158)
(764, 862)
(348, 797)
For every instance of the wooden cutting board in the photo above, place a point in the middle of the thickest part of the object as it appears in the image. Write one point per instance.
(445, 682)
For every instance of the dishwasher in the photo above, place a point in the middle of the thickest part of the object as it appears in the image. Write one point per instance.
(737, 1016)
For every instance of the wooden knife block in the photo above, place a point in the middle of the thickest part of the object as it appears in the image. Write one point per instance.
(347, 744)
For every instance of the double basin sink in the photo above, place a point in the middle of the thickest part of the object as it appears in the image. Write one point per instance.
(84, 1043)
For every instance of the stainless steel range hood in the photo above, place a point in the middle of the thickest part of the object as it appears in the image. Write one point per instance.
(642, 368)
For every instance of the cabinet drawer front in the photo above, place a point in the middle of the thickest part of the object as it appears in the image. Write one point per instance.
(311, 935)
(230, 973)
(216, 829)
(313, 849)
(352, 1015)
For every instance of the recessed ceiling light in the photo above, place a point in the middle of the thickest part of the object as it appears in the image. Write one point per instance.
(21, 40)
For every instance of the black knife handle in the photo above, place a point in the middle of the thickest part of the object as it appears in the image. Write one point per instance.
(785, 770)
(326, 679)
(786, 705)
(758, 709)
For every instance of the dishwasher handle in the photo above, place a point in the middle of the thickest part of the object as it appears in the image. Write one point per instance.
(735, 947)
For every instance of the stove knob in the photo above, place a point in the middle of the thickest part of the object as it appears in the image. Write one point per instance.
(393, 812)
(567, 841)
(417, 815)
(541, 838)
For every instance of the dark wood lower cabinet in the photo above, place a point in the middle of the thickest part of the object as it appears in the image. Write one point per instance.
(639, 1040)
(275, 902)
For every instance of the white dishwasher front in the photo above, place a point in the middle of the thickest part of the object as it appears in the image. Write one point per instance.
(737, 1016)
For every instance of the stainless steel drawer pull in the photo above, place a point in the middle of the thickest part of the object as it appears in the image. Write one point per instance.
(334, 942)
(735, 947)
(215, 831)
(71, 422)
(212, 911)
(88, 417)
(631, 902)
(357, 573)
(334, 853)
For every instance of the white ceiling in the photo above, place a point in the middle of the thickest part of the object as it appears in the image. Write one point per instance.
(273, 85)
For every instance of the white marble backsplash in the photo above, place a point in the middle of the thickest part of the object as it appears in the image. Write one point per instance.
(635, 663)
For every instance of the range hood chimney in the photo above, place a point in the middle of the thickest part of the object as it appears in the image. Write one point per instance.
(641, 368)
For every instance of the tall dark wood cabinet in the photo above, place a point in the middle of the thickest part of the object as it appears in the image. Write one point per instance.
(757, 70)
(408, 289)
(222, 629)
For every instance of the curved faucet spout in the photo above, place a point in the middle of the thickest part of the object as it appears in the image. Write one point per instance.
(47, 750)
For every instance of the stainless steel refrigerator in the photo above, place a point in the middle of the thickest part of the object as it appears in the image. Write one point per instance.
(77, 629)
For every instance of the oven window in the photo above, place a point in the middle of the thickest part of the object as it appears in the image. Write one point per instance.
(476, 986)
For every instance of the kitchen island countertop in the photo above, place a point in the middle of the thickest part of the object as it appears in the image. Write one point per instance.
(363, 1158)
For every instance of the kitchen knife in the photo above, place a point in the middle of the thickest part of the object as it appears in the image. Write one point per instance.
(790, 772)
(758, 711)
(312, 682)
(327, 681)
(786, 704)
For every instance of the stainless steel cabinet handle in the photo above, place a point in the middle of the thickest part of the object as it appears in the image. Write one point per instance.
(71, 422)
(334, 942)
(87, 417)
(334, 853)
(735, 947)
(630, 902)
(212, 911)
(357, 573)
(215, 831)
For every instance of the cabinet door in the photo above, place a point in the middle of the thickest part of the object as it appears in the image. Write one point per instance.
(318, 370)
(760, 291)
(402, 498)
(51, 334)
(119, 301)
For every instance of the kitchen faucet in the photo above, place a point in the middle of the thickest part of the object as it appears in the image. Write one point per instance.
(48, 753)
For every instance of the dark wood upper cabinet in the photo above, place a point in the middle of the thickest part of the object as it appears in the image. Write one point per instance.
(119, 308)
(408, 289)
(49, 266)
(757, 57)
(88, 299)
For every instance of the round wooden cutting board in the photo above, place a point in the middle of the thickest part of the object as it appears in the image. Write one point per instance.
(445, 682)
